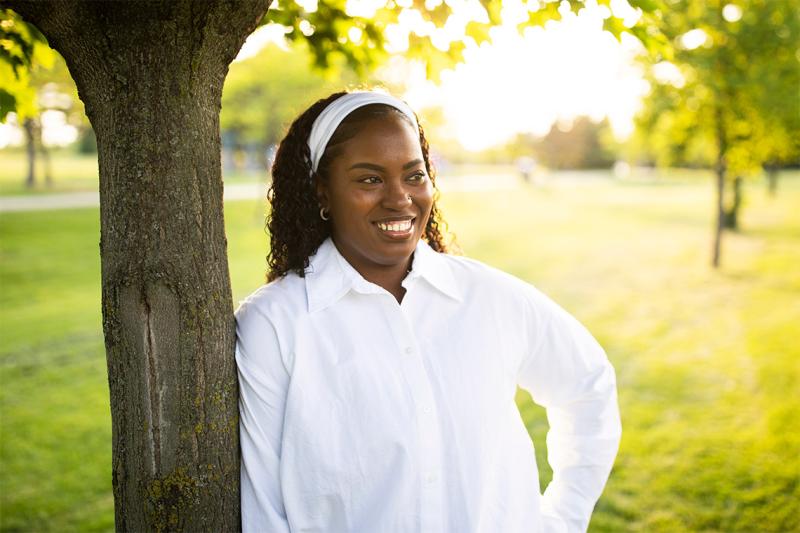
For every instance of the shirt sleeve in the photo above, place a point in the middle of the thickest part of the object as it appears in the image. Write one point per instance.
(568, 373)
(263, 383)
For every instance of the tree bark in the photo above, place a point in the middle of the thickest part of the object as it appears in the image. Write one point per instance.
(151, 75)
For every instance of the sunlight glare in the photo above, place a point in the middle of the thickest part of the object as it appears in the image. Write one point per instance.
(666, 72)
(515, 83)
(269, 33)
(732, 12)
(396, 39)
(363, 8)
(309, 6)
(513, 13)
(629, 15)
(526, 83)
(306, 27)
(693, 39)
(355, 34)
(10, 132)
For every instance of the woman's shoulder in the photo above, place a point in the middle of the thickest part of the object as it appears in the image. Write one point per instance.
(279, 298)
(479, 280)
(471, 272)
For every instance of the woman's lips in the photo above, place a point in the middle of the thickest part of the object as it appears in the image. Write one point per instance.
(396, 228)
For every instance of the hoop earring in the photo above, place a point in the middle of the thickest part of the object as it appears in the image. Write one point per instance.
(323, 215)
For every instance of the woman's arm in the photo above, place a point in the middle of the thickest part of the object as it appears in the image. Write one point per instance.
(263, 382)
(567, 372)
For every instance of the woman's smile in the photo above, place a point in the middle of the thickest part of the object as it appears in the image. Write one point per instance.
(397, 228)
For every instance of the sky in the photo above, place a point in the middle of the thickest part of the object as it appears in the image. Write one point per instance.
(516, 83)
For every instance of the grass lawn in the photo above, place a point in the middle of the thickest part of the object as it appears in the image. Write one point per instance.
(71, 172)
(708, 362)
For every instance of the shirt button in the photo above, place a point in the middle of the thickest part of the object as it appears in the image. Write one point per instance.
(426, 409)
(430, 479)
(409, 350)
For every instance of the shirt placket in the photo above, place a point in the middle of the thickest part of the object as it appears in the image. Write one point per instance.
(428, 426)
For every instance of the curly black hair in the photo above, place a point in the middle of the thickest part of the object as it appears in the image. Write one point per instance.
(295, 227)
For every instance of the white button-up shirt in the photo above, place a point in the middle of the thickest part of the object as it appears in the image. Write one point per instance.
(359, 414)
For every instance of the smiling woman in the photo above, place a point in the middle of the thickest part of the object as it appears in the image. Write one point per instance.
(378, 373)
(379, 196)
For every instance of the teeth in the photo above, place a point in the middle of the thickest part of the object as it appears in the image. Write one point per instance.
(395, 226)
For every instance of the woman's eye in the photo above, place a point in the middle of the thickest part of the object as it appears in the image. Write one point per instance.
(418, 177)
(370, 180)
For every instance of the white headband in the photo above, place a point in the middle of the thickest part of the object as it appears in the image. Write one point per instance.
(330, 118)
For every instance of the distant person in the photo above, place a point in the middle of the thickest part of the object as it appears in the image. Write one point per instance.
(378, 373)
(525, 166)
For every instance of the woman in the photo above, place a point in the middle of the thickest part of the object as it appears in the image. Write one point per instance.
(378, 373)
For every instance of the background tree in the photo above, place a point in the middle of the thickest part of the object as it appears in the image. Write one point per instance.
(575, 144)
(35, 80)
(264, 93)
(21, 47)
(728, 98)
(580, 143)
(150, 74)
(54, 92)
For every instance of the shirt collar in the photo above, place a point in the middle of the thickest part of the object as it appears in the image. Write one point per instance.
(329, 276)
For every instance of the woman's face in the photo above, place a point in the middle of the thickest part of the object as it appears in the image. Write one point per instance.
(379, 195)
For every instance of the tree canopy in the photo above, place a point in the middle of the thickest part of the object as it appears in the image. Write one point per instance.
(433, 31)
(728, 98)
(730, 93)
(22, 47)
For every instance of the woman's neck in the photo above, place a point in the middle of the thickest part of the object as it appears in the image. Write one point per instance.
(388, 277)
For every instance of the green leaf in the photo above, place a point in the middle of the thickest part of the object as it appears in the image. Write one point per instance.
(575, 5)
(493, 8)
(548, 11)
(8, 103)
(648, 6)
(614, 26)
(478, 31)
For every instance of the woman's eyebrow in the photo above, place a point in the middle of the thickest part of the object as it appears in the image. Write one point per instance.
(372, 166)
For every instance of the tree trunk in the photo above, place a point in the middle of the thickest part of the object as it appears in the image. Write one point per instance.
(772, 180)
(151, 75)
(731, 215)
(720, 218)
(30, 151)
(47, 164)
(720, 170)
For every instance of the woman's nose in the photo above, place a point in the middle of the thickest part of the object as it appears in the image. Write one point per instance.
(396, 196)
